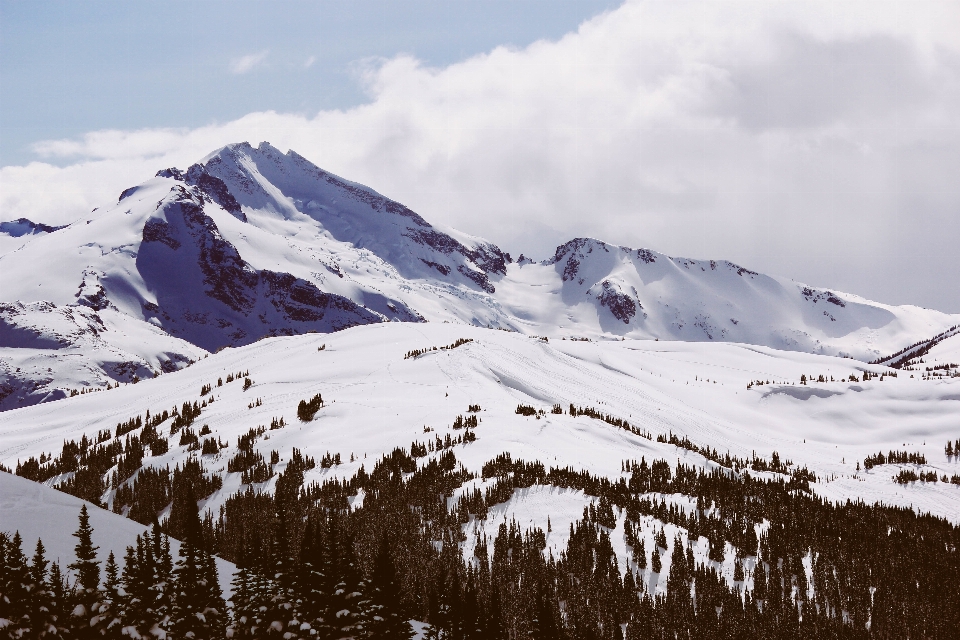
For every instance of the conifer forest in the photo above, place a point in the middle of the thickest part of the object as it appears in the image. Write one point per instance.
(314, 562)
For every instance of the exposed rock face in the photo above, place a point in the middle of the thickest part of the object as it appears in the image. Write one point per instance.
(23, 226)
(620, 305)
(816, 296)
(209, 295)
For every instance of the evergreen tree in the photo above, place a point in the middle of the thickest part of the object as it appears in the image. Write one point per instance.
(135, 593)
(15, 588)
(760, 580)
(161, 589)
(111, 585)
(146, 606)
(384, 614)
(216, 613)
(281, 615)
(242, 614)
(43, 610)
(110, 604)
(86, 566)
(346, 612)
(59, 591)
(313, 582)
(85, 618)
(198, 610)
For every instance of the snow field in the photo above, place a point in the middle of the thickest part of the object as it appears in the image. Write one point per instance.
(377, 400)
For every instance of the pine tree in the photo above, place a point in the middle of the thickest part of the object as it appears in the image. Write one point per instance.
(110, 605)
(281, 615)
(15, 588)
(145, 574)
(134, 603)
(161, 588)
(760, 580)
(252, 592)
(216, 613)
(86, 566)
(384, 615)
(59, 591)
(242, 594)
(198, 608)
(738, 569)
(312, 582)
(85, 617)
(43, 609)
(344, 612)
(111, 585)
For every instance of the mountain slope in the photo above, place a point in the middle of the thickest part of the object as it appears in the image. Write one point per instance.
(620, 291)
(375, 400)
(268, 183)
(48, 350)
(37, 511)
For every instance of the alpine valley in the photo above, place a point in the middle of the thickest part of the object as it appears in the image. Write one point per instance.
(381, 427)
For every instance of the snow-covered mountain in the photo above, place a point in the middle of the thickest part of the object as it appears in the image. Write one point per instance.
(50, 350)
(643, 294)
(16, 233)
(252, 242)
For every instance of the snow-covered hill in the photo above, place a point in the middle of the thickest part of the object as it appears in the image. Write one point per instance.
(375, 400)
(252, 242)
(39, 512)
(48, 349)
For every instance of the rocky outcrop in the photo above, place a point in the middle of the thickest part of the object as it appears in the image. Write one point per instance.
(207, 294)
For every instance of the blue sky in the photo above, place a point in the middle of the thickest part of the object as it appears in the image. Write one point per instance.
(71, 67)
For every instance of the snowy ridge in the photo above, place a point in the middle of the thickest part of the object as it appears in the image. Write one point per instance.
(644, 294)
(908, 355)
(376, 399)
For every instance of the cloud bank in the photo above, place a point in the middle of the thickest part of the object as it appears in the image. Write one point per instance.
(813, 140)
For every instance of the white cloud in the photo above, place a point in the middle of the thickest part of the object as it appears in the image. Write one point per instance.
(246, 63)
(808, 139)
(309, 62)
